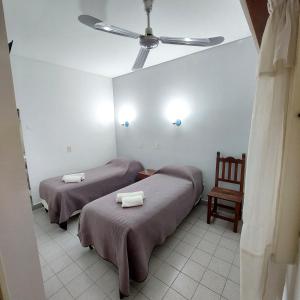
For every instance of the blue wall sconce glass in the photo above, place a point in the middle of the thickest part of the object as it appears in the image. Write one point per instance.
(177, 122)
(125, 124)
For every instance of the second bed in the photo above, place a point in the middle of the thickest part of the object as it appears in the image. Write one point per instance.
(127, 236)
(62, 200)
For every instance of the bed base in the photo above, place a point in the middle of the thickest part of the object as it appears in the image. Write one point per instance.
(63, 225)
(122, 296)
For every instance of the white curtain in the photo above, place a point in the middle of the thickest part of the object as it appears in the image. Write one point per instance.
(271, 215)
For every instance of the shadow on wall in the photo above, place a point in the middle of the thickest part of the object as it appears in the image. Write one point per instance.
(95, 8)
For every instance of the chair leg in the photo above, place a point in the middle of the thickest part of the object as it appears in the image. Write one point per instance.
(241, 212)
(236, 217)
(209, 209)
(215, 209)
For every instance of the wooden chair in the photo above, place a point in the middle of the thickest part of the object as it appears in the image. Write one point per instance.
(230, 171)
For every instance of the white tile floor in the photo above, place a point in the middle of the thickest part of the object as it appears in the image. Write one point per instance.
(198, 262)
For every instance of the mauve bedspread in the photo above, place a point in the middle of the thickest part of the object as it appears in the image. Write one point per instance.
(126, 237)
(65, 198)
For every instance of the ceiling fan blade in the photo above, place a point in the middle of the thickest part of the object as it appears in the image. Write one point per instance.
(141, 58)
(116, 30)
(88, 20)
(99, 25)
(192, 41)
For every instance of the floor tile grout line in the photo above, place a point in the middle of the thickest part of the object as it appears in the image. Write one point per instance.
(180, 271)
(73, 261)
(170, 288)
(59, 288)
(213, 272)
(63, 287)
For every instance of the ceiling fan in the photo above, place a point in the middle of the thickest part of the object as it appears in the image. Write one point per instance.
(147, 41)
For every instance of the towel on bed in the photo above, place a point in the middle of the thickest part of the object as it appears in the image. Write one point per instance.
(73, 178)
(132, 201)
(120, 196)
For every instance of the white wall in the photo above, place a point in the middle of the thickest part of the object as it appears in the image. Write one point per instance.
(20, 271)
(61, 107)
(219, 87)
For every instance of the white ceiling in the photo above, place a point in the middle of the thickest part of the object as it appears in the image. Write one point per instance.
(48, 30)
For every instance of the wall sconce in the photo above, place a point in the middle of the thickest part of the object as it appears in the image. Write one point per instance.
(127, 115)
(177, 111)
(177, 122)
(125, 124)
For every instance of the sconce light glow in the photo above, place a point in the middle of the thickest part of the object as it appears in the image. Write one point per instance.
(127, 115)
(177, 111)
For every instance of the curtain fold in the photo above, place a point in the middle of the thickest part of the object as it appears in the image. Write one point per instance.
(266, 215)
(280, 37)
(288, 213)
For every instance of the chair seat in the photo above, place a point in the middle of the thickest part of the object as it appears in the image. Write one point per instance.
(226, 194)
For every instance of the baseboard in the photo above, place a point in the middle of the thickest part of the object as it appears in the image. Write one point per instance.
(204, 201)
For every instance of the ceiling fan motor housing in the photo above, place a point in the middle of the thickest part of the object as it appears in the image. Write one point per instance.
(149, 41)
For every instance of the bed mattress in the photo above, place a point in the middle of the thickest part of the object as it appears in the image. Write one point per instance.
(63, 199)
(127, 237)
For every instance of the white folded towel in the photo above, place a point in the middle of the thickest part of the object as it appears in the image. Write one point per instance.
(82, 175)
(121, 195)
(73, 178)
(132, 201)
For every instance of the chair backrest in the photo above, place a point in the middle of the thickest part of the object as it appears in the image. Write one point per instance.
(230, 170)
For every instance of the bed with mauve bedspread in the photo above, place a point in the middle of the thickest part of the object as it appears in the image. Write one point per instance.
(127, 236)
(63, 199)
